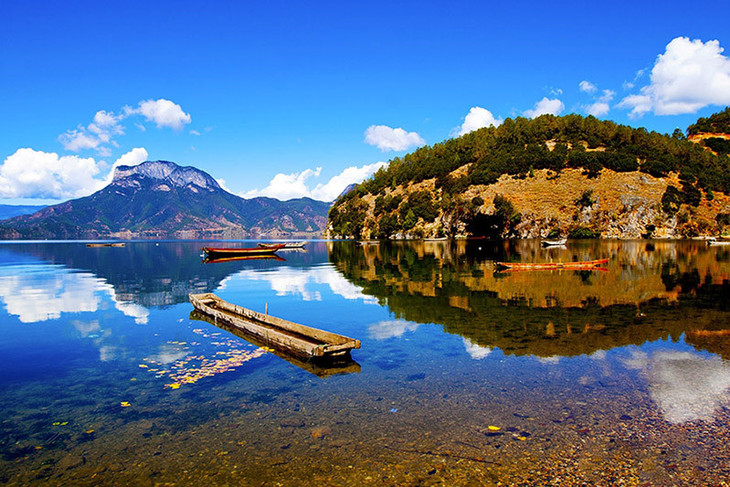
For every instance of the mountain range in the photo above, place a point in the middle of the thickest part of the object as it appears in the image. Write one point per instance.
(160, 199)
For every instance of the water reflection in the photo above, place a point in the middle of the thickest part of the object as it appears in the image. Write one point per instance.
(584, 372)
(687, 386)
(44, 292)
(651, 291)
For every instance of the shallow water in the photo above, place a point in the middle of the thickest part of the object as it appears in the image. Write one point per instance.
(466, 375)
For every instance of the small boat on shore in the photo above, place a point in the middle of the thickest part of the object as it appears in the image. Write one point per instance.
(287, 336)
(537, 266)
(287, 245)
(554, 243)
(714, 241)
(221, 252)
(106, 244)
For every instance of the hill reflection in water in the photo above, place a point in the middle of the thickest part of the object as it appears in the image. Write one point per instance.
(652, 290)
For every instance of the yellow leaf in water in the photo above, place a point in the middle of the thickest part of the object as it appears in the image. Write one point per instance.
(494, 428)
(125, 404)
(88, 432)
(521, 438)
(174, 386)
(143, 366)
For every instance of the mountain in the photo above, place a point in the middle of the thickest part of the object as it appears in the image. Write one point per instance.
(572, 176)
(9, 211)
(159, 199)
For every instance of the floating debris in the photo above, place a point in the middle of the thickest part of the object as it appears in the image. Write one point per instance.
(189, 368)
(125, 404)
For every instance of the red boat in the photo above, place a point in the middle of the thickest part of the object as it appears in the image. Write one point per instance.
(220, 252)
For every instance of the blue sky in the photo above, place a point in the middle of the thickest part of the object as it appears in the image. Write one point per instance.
(299, 98)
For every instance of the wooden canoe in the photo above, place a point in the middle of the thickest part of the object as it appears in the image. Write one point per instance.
(344, 364)
(535, 266)
(106, 244)
(293, 338)
(219, 252)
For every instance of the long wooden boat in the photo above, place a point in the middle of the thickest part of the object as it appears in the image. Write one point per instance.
(106, 244)
(534, 266)
(219, 252)
(344, 364)
(287, 336)
(286, 245)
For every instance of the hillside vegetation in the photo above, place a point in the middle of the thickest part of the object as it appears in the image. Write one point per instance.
(550, 175)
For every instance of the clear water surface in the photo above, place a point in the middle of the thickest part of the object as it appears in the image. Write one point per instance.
(466, 375)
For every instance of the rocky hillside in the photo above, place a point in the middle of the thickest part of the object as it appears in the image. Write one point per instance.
(569, 176)
(163, 200)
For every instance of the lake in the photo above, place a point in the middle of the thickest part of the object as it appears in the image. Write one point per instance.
(466, 375)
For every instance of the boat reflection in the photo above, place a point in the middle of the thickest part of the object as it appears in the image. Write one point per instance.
(218, 260)
(321, 368)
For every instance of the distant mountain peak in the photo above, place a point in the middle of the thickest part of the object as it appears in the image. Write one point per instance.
(167, 173)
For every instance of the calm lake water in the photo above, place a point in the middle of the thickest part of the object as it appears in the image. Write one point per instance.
(466, 376)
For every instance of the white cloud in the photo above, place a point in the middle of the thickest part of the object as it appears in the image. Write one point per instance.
(689, 75)
(95, 135)
(337, 184)
(598, 109)
(601, 106)
(35, 174)
(286, 186)
(389, 139)
(296, 185)
(477, 118)
(163, 112)
(587, 87)
(134, 157)
(545, 106)
(30, 173)
(100, 133)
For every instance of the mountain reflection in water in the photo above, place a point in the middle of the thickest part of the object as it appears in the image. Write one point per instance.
(651, 291)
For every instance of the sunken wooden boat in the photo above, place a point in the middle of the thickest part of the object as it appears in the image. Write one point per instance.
(220, 252)
(535, 266)
(106, 244)
(293, 338)
(342, 364)
(286, 245)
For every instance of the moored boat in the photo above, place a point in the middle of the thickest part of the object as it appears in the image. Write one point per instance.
(286, 245)
(554, 243)
(106, 244)
(534, 266)
(219, 252)
(287, 336)
(714, 241)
